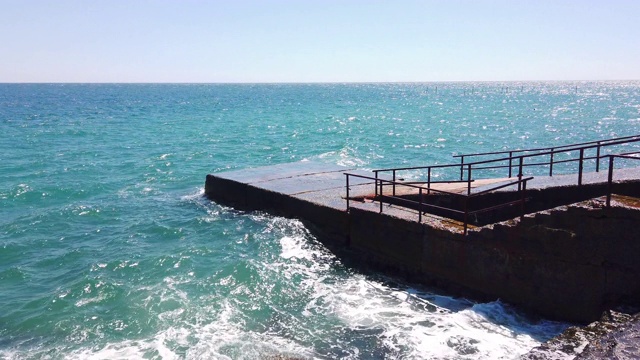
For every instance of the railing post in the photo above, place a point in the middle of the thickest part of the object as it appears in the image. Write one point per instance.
(510, 155)
(347, 192)
(580, 167)
(551, 163)
(522, 199)
(461, 167)
(394, 183)
(610, 181)
(469, 179)
(420, 207)
(466, 215)
(598, 157)
(381, 195)
(376, 172)
(520, 166)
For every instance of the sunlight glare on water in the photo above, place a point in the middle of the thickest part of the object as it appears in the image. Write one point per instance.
(108, 248)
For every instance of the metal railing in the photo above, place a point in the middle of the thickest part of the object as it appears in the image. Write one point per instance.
(523, 159)
(422, 206)
(519, 161)
(555, 149)
(611, 170)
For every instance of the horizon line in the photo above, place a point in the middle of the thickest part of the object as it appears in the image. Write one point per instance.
(292, 82)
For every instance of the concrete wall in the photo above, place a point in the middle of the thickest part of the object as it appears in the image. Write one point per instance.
(569, 263)
(332, 223)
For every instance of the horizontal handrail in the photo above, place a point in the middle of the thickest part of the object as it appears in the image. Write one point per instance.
(391, 182)
(521, 182)
(427, 205)
(435, 182)
(500, 162)
(495, 207)
(611, 170)
(626, 155)
(501, 186)
(509, 158)
(549, 147)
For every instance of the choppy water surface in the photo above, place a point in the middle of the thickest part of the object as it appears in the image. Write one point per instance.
(109, 250)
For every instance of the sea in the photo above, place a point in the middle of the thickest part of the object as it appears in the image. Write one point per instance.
(109, 249)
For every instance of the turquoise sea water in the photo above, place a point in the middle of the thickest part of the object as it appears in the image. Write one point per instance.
(109, 250)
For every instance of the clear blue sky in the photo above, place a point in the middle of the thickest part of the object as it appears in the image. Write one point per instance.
(318, 40)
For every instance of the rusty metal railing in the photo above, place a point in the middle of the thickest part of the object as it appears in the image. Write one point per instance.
(598, 144)
(422, 206)
(611, 170)
(520, 161)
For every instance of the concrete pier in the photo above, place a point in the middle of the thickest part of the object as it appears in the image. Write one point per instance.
(568, 261)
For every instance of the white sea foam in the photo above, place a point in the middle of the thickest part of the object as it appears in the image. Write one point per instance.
(222, 338)
(345, 157)
(339, 314)
(291, 249)
(416, 325)
(197, 194)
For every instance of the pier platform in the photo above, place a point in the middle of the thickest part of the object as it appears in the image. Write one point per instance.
(569, 261)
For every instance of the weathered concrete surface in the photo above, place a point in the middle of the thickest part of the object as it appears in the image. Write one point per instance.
(570, 262)
(305, 190)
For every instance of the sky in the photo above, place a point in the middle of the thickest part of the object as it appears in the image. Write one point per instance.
(238, 41)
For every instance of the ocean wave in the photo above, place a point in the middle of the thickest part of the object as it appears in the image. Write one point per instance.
(103, 212)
